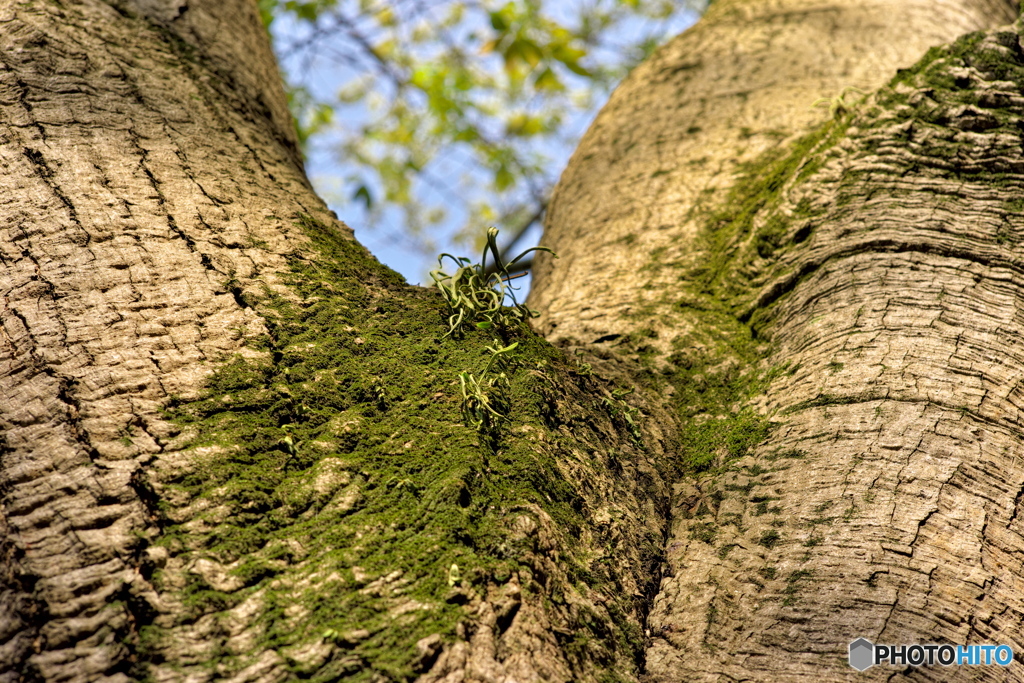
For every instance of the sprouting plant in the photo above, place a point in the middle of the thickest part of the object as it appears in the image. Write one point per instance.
(482, 398)
(288, 444)
(475, 294)
(629, 413)
(478, 409)
(379, 392)
(582, 369)
(839, 105)
(499, 356)
(454, 574)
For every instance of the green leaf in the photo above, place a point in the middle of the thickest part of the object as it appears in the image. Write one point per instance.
(363, 194)
(503, 178)
(546, 80)
(488, 85)
(498, 22)
(268, 11)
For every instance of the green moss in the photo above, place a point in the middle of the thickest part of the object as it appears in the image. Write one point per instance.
(719, 365)
(743, 238)
(711, 383)
(794, 584)
(1015, 205)
(934, 76)
(704, 532)
(704, 443)
(769, 539)
(341, 483)
(747, 226)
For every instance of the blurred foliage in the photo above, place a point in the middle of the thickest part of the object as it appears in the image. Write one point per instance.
(448, 110)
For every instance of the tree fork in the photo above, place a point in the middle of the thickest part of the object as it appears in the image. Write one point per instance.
(232, 441)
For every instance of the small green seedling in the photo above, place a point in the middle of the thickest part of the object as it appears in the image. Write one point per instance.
(629, 413)
(481, 397)
(477, 407)
(582, 369)
(498, 356)
(837, 106)
(454, 575)
(475, 296)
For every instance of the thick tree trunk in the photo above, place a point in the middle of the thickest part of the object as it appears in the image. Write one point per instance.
(885, 502)
(232, 444)
(139, 175)
(236, 447)
(855, 289)
(667, 147)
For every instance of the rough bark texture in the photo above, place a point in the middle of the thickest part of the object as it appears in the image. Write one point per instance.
(120, 233)
(666, 148)
(233, 446)
(885, 503)
(856, 289)
(231, 441)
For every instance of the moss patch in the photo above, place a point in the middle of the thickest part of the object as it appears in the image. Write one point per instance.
(719, 365)
(336, 478)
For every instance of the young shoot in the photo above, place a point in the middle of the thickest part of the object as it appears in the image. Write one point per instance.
(483, 397)
(838, 106)
(476, 296)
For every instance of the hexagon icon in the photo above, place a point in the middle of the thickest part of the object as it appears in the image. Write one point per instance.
(862, 654)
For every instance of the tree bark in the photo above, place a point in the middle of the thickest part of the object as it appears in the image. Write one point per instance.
(233, 446)
(884, 503)
(856, 289)
(666, 148)
(138, 174)
(232, 443)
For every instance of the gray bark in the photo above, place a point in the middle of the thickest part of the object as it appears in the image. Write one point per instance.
(666, 148)
(874, 270)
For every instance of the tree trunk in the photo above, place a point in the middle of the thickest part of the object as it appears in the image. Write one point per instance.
(666, 149)
(233, 446)
(884, 503)
(836, 317)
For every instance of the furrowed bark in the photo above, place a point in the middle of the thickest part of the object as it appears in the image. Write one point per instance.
(834, 313)
(232, 443)
(885, 502)
(236, 447)
(667, 147)
(134, 180)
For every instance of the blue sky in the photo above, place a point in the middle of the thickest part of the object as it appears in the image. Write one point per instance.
(387, 237)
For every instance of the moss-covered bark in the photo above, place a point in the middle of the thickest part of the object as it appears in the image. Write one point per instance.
(872, 262)
(337, 498)
(235, 446)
